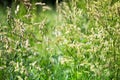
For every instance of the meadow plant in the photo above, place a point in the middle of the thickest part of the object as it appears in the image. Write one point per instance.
(78, 41)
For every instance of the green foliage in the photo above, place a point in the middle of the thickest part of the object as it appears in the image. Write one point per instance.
(78, 41)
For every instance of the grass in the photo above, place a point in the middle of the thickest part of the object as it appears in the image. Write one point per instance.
(72, 43)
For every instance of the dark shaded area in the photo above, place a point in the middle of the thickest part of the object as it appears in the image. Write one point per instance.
(51, 2)
(8, 3)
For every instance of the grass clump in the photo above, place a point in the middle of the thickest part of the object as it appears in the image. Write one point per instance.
(78, 41)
